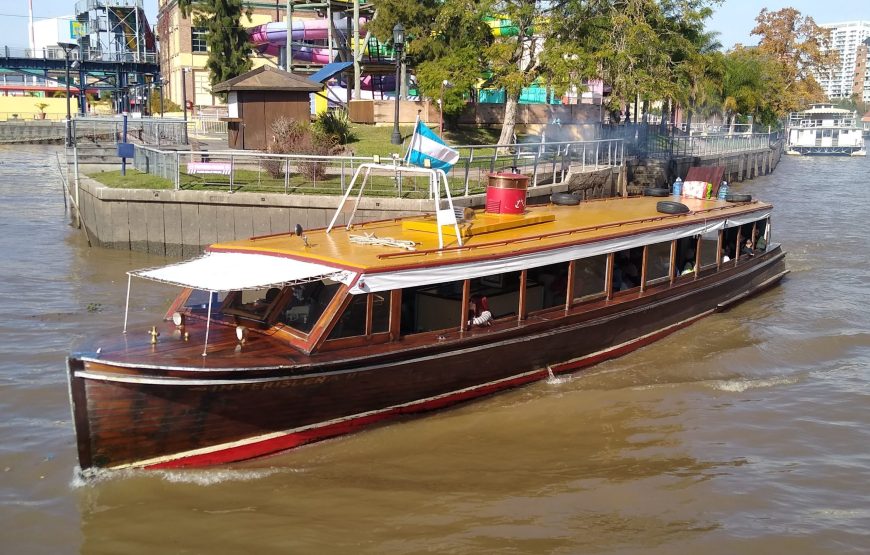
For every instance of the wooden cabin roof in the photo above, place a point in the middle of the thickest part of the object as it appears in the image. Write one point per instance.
(267, 78)
(488, 236)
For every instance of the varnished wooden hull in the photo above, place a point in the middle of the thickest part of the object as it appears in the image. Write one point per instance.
(160, 418)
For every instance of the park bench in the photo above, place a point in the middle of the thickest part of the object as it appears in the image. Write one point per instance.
(213, 168)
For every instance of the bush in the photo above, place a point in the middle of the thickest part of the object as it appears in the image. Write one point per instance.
(335, 123)
(296, 137)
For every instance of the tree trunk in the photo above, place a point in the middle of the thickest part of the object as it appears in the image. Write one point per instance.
(663, 125)
(510, 119)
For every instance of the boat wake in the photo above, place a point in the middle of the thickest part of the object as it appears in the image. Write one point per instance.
(738, 385)
(552, 379)
(199, 477)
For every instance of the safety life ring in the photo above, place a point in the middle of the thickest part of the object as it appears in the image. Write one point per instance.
(564, 199)
(738, 197)
(671, 207)
(655, 192)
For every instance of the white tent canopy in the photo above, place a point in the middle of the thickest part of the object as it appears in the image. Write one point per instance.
(230, 271)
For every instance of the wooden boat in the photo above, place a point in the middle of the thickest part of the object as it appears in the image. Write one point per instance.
(282, 340)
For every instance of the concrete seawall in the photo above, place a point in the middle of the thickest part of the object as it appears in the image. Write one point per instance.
(181, 223)
(739, 166)
(37, 131)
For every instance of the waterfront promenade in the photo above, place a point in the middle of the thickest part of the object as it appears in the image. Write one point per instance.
(192, 198)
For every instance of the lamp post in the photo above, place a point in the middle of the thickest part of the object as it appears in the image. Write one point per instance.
(67, 48)
(184, 92)
(398, 45)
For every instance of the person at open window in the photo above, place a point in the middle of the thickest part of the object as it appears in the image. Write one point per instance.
(724, 254)
(747, 249)
(478, 312)
(760, 241)
(688, 269)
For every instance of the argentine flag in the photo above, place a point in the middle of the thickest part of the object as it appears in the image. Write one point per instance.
(426, 145)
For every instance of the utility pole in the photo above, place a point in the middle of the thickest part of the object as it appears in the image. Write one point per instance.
(357, 92)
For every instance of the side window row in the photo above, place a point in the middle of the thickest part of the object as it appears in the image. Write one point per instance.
(439, 307)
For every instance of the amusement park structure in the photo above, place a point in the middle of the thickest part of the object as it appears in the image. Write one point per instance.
(107, 46)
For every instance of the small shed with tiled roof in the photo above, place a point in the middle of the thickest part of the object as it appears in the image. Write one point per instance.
(257, 98)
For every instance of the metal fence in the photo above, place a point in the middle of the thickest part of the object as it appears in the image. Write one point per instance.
(110, 130)
(649, 141)
(331, 175)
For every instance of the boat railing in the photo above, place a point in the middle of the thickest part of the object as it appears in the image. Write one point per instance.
(233, 170)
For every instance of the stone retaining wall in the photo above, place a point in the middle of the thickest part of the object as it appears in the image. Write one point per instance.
(38, 131)
(738, 167)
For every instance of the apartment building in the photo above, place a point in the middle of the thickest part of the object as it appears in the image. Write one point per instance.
(850, 75)
(183, 51)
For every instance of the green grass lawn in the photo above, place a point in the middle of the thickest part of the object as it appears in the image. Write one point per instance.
(252, 181)
(370, 140)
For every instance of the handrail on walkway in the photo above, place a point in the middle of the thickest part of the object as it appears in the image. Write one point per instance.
(545, 163)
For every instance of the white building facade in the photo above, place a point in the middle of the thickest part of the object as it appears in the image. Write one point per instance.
(847, 38)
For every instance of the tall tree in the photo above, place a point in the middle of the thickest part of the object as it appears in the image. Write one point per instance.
(801, 49)
(229, 46)
(444, 43)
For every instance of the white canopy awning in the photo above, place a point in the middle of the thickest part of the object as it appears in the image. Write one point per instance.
(230, 271)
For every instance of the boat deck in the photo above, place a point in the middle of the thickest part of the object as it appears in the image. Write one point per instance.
(488, 235)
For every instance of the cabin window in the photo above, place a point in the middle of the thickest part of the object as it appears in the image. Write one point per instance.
(709, 245)
(353, 321)
(589, 276)
(546, 287)
(502, 293)
(307, 302)
(381, 312)
(658, 262)
(251, 303)
(626, 268)
(729, 242)
(197, 301)
(762, 236)
(431, 307)
(745, 247)
(686, 255)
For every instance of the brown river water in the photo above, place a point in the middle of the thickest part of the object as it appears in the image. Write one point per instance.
(748, 432)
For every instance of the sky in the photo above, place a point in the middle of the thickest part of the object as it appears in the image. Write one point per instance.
(734, 19)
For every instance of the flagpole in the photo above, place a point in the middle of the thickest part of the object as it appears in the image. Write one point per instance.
(407, 156)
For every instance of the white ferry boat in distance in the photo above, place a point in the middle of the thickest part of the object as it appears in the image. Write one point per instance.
(824, 129)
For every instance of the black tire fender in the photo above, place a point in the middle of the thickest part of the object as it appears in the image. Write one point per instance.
(564, 199)
(671, 207)
(655, 192)
(738, 197)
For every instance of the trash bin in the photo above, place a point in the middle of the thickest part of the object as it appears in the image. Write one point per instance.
(506, 193)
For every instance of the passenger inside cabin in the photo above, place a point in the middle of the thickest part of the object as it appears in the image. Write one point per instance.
(747, 250)
(478, 312)
(625, 274)
(760, 241)
(724, 254)
(688, 265)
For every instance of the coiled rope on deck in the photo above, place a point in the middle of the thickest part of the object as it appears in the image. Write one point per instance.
(372, 239)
